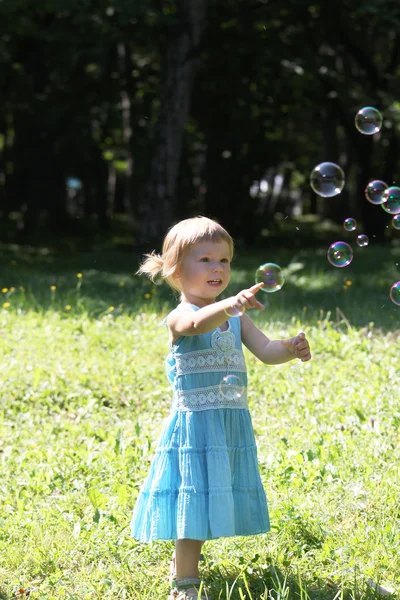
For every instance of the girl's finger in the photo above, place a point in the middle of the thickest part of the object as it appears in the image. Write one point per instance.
(302, 346)
(255, 288)
(306, 358)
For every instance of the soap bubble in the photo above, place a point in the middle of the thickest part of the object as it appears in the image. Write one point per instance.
(73, 183)
(394, 293)
(340, 254)
(391, 203)
(362, 240)
(233, 312)
(374, 191)
(396, 222)
(231, 387)
(327, 179)
(350, 224)
(271, 275)
(368, 120)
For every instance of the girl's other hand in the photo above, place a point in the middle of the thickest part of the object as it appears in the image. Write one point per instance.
(298, 346)
(247, 299)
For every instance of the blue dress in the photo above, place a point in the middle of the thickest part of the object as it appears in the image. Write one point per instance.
(204, 481)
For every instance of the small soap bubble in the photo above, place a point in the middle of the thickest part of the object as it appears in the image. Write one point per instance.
(391, 203)
(394, 293)
(233, 312)
(340, 254)
(271, 275)
(327, 179)
(368, 120)
(396, 222)
(73, 183)
(374, 191)
(231, 387)
(362, 240)
(350, 224)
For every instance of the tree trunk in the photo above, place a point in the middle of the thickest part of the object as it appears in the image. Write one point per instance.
(158, 205)
(125, 67)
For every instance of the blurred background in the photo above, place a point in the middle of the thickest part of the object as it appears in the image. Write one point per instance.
(120, 117)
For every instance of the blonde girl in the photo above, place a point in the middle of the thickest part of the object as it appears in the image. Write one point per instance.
(204, 481)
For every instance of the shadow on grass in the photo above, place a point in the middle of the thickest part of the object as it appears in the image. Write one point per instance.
(268, 582)
(312, 289)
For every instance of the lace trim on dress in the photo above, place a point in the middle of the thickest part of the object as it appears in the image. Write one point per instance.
(233, 396)
(200, 361)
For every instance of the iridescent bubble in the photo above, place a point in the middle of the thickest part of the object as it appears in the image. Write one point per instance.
(368, 120)
(392, 200)
(396, 222)
(374, 191)
(327, 179)
(350, 224)
(233, 312)
(395, 293)
(231, 387)
(271, 276)
(362, 240)
(73, 183)
(340, 254)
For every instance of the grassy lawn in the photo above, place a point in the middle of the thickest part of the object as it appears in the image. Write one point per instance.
(84, 396)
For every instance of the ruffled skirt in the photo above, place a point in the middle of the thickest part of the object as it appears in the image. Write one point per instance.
(204, 481)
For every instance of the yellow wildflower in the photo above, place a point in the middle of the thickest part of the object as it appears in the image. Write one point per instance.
(122, 283)
(4, 290)
(53, 288)
(6, 304)
(110, 308)
(79, 275)
(67, 307)
(12, 289)
(147, 296)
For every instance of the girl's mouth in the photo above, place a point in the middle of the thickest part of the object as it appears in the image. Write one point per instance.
(214, 282)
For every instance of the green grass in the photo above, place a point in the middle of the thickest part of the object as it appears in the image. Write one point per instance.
(84, 396)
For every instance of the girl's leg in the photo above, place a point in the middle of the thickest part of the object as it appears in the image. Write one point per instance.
(187, 556)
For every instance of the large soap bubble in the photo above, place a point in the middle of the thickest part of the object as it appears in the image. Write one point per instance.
(327, 179)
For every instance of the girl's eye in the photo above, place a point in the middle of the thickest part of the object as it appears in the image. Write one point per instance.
(204, 259)
(225, 260)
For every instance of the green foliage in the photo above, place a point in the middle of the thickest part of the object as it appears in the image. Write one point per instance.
(82, 407)
(276, 92)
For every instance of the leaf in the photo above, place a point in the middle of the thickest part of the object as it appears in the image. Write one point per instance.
(97, 498)
(360, 415)
(97, 516)
(122, 492)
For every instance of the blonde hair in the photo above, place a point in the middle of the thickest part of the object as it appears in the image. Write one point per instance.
(179, 238)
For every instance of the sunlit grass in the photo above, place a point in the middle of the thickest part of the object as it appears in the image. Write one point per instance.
(84, 396)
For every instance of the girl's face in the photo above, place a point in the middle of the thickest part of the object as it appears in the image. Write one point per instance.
(204, 272)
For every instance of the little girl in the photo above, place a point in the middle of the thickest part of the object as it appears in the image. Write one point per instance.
(204, 481)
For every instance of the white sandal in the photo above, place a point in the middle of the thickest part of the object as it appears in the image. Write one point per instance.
(187, 589)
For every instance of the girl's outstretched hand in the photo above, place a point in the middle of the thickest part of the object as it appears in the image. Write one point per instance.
(247, 299)
(298, 346)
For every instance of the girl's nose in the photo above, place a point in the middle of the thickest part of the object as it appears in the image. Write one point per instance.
(217, 267)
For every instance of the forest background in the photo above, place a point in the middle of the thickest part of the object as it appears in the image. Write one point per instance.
(118, 118)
